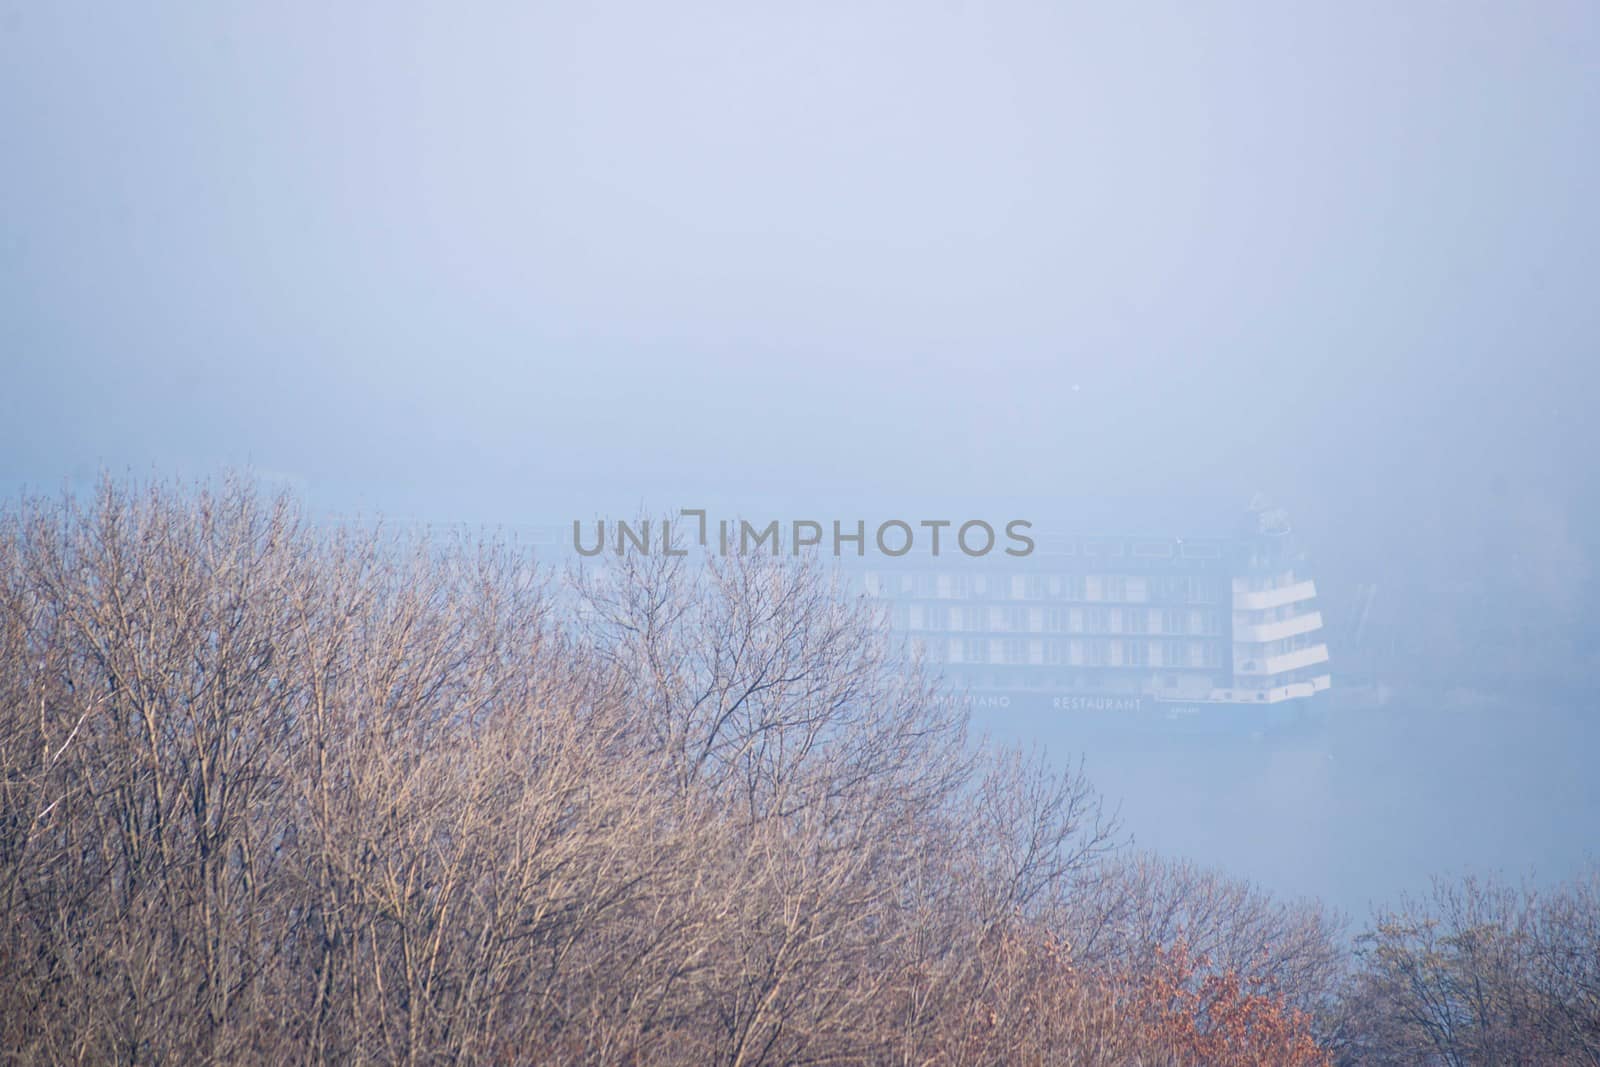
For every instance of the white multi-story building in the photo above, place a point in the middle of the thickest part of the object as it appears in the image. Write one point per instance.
(1166, 628)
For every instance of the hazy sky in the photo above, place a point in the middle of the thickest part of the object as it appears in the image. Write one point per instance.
(534, 261)
(496, 261)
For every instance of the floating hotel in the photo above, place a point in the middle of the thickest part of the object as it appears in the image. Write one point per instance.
(1210, 631)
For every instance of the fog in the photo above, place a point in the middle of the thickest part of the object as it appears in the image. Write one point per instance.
(521, 263)
(1376, 804)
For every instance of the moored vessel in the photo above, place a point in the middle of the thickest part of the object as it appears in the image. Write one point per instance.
(1203, 633)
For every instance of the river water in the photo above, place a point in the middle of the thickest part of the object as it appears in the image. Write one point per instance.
(1370, 803)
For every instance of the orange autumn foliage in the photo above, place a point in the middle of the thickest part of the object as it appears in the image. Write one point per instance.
(1221, 1019)
(1171, 1010)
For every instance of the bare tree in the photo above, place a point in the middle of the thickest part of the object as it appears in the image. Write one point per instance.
(1481, 972)
(270, 792)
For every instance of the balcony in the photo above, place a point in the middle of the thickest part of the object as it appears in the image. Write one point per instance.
(1275, 598)
(1277, 631)
(1280, 664)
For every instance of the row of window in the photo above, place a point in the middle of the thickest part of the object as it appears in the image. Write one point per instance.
(1092, 620)
(1087, 652)
(1114, 588)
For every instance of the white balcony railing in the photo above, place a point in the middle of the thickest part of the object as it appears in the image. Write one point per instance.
(1275, 598)
(1277, 631)
(1268, 666)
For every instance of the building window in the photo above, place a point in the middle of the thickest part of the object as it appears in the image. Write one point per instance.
(974, 650)
(1172, 590)
(1015, 650)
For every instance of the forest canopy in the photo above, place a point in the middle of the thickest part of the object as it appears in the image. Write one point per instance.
(274, 791)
